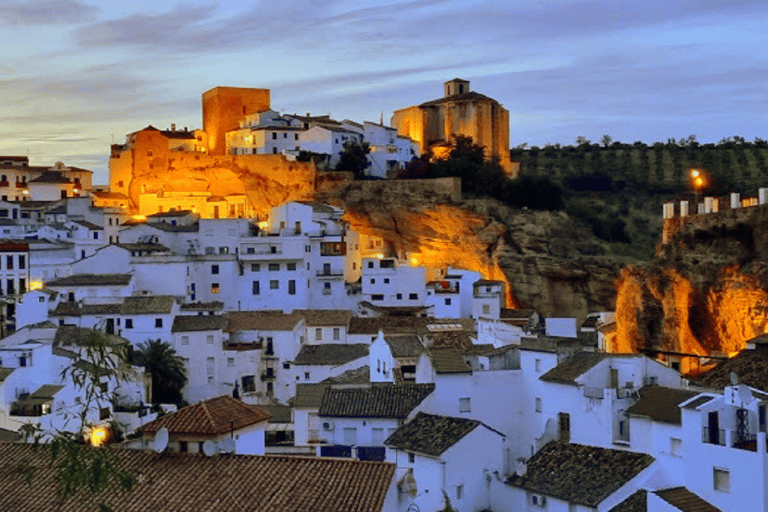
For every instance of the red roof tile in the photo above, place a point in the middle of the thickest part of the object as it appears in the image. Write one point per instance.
(211, 417)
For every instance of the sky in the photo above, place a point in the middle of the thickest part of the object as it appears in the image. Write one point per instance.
(78, 75)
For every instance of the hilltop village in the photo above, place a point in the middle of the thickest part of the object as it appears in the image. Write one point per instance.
(326, 370)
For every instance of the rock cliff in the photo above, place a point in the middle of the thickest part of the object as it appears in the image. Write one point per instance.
(549, 262)
(704, 292)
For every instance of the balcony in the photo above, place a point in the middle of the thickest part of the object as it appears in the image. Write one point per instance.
(597, 393)
(330, 273)
(712, 436)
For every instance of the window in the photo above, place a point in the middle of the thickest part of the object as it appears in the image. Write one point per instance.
(537, 365)
(318, 334)
(721, 479)
(486, 309)
(464, 405)
(447, 302)
(9, 262)
(255, 288)
(183, 447)
(399, 296)
(158, 323)
(291, 266)
(274, 267)
(386, 280)
(350, 436)
(214, 269)
(274, 284)
(538, 404)
(336, 333)
(22, 285)
(377, 296)
(270, 348)
(373, 281)
(249, 383)
(210, 366)
(231, 362)
(370, 264)
(292, 287)
(185, 340)
(215, 289)
(459, 491)
(306, 375)
(209, 339)
(255, 267)
(22, 262)
(129, 323)
(413, 296)
(411, 457)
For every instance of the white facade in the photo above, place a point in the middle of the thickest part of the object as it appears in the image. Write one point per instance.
(328, 140)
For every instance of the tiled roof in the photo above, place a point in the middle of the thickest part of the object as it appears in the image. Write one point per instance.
(261, 321)
(330, 354)
(191, 323)
(309, 395)
(9, 436)
(578, 473)
(460, 340)
(661, 404)
(278, 413)
(360, 375)
(103, 194)
(467, 96)
(431, 434)
(211, 417)
(404, 325)
(69, 335)
(696, 402)
(4, 373)
(91, 280)
(46, 391)
(448, 360)
(138, 305)
(50, 177)
(203, 306)
(375, 401)
(685, 501)
(637, 502)
(325, 317)
(572, 368)
(186, 482)
(407, 345)
(751, 366)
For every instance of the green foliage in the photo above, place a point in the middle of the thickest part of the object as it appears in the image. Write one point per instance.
(166, 369)
(354, 158)
(308, 156)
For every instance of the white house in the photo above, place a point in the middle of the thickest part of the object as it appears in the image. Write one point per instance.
(434, 466)
(328, 140)
(315, 363)
(230, 425)
(394, 358)
(200, 342)
(489, 298)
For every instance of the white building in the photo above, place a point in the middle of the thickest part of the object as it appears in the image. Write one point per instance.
(328, 140)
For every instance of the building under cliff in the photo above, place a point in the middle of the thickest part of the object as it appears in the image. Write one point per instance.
(436, 124)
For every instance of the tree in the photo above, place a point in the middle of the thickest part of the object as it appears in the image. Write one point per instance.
(84, 472)
(606, 141)
(354, 158)
(165, 367)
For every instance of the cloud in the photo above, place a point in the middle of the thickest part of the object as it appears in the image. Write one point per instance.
(46, 12)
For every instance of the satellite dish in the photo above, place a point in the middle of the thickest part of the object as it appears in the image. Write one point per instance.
(210, 448)
(734, 379)
(227, 445)
(161, 440)
(745, 395)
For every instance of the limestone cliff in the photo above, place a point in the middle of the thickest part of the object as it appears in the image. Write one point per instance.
(706, 290)
(549, 262)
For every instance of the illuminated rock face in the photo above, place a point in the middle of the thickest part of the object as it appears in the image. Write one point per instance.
(704, 292)
(545, 259)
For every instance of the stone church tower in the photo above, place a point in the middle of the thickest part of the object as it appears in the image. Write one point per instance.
(435, 124)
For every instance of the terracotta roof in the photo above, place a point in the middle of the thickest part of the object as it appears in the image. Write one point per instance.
(375, 401)
(138, 305)
(578, 473)
(192, 323)
(460, 340)
(448, 360)
(431, 434)
(91, 280)
(637, 502)
(572, 368)
(261, 321)
(685, 501)
(176, 482)
(330, 354)
(212, 417)
(325, 317)
(751, 366)
(407, 345)
(661, 404)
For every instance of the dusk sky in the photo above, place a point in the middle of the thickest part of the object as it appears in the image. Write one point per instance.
(77, 75)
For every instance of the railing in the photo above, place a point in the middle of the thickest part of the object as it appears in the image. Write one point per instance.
(710, 436)
(330, 273)
(625, 393)
(594, 393)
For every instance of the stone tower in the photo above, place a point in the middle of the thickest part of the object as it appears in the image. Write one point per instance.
(224, 108)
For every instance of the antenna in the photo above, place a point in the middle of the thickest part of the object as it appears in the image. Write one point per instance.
(161, 440)
(210, 448)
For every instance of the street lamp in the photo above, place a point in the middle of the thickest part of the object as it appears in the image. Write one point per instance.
(698, 182)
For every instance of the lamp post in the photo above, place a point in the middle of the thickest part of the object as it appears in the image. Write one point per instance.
(697, 181)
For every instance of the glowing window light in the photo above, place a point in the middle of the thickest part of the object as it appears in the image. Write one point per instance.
(98, 436)
(35, 285)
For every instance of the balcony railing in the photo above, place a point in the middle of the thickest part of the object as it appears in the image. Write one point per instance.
(594, 393)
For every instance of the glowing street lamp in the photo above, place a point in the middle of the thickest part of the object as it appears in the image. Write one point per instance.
(98, 436)
(698, 182)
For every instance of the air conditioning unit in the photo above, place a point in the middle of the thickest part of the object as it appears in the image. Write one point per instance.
(327, 425)
(538, 500)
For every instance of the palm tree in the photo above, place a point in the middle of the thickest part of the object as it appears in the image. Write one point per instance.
(166, 368)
